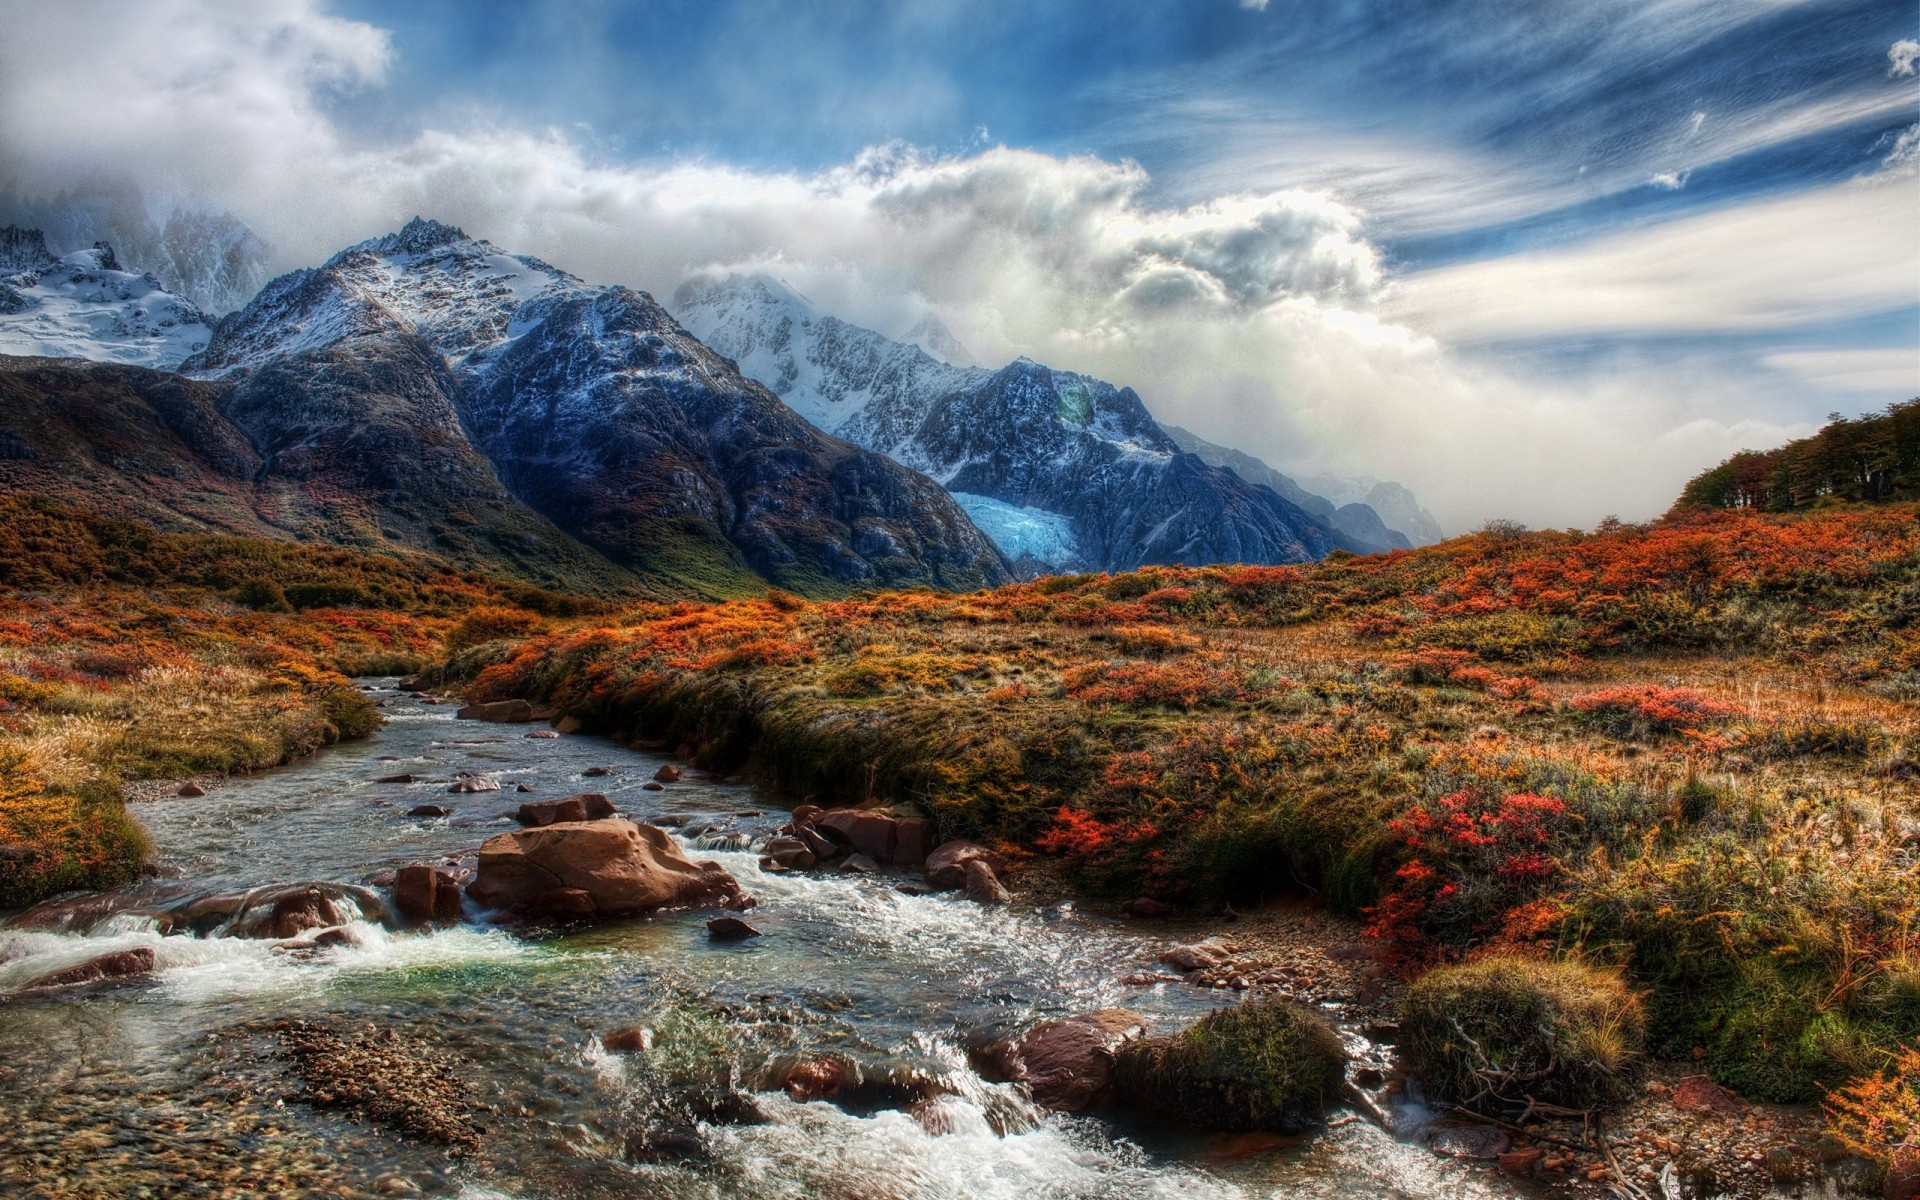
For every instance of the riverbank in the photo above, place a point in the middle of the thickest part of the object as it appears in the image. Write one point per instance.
(129, 655)
(186, 1080)
(1685, 751)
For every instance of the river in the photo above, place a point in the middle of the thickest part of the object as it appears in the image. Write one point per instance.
(176, 1087)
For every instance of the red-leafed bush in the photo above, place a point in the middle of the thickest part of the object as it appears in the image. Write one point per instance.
(1648, 710)
(1467, 858)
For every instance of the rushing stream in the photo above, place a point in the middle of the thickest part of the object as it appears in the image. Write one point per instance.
(176, 1087)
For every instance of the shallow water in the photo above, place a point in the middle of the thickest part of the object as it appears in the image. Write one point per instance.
(176, 1088)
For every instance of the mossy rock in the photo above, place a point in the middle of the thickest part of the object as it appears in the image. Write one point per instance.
(1267, 1064)
(1500, 1032)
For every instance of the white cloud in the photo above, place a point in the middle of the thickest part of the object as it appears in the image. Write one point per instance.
(1821, 255)
(1883, 371)
(1901, 56)
(1254, 5)
(1672, 181)
(1251, 315)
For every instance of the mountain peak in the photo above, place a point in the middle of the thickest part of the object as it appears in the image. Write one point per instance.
(24, 250)
(417, 236)
(932, 335)
(743, 289)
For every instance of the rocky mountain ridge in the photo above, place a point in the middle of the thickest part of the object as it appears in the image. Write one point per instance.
(596, 410)
(1066, 472)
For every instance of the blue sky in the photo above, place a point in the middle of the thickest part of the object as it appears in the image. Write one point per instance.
(1539, 259)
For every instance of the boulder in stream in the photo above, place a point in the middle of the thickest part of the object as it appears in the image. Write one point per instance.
(981, 885)
(869, 833)
(506, 712)
(947, 865)
(587, 806)
(468, 785)
(1066, 1065)
(422, 893)
(120, 966)
(609, 868)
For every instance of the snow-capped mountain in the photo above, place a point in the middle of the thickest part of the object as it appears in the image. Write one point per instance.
(1064, 471)
(595, 409)
(82, 305)
(211, 259)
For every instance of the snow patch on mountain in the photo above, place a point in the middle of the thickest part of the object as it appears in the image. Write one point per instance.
(1023, 534)
(82, 305)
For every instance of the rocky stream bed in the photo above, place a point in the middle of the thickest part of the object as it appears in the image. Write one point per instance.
(833, 1051)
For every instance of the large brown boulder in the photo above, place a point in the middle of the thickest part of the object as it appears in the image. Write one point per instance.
(503, 711)
(287, 912)
(1066, 1065)
(947, 865)
(980, 885)
(600, 868)
(913, 839)
(118, 967)
(423, 893)
(587, 806)
(868, 833)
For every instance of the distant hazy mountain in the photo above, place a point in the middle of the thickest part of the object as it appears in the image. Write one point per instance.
(211, 259)
(82, 305)
(1064, 471)
(1385, 514)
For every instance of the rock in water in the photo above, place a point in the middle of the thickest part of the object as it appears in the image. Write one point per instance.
(587, 806)
(668, 773)
(1066, 1065)
(947, 865)
(982, 886)
(423, 893)
(503, 711)
(121, 966)
(427, 810)
(190, 790)
(472, 784)
(602, 868)
(869, 833)
(731, 929)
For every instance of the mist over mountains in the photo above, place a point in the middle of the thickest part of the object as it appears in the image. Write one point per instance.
(426, 390)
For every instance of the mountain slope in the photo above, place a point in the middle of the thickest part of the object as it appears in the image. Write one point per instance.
(1067, 472)
(604, 415)
(1383, 513)
(345, 447)
(85, 306)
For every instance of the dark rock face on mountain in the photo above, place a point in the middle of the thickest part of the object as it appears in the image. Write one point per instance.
(1062, 443)
(348, 446)
(590, 406)
(1065, 472)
